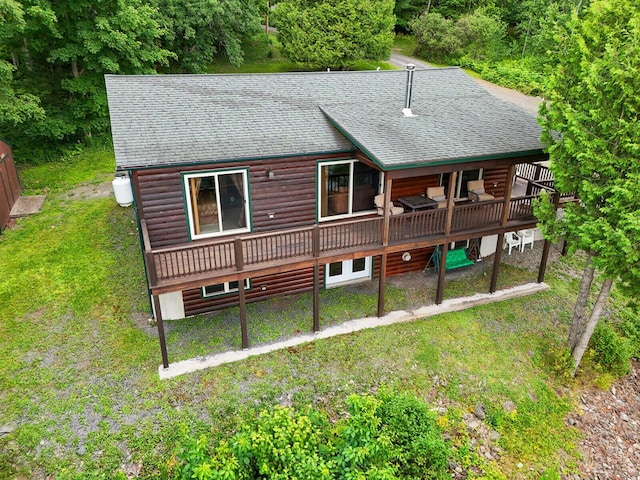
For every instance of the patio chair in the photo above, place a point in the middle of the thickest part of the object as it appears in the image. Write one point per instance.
(512, 240)
(476, 191)
(378, 200)
(526, 236)
(437, 194)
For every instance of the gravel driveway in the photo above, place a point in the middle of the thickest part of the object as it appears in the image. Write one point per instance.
(526, 102)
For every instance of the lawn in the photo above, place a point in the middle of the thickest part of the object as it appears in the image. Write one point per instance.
(81, 394)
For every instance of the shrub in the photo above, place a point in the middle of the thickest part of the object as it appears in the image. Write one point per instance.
(483, 35)
(419, 448)
(517, 74)
(611, 351)
(382, 438)
(437, 38)
(630, 328)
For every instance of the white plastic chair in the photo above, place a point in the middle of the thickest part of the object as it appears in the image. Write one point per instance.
(512, 240)
(526, 236)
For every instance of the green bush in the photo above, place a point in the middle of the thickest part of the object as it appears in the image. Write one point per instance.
(382, 438)
(630, 328)
(437, 38)
(516, 74)
(419, 448)
(483, 35)
(611, 351)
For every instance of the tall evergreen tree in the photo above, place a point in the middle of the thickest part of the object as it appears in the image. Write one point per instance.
(592, 129)
(335, 34)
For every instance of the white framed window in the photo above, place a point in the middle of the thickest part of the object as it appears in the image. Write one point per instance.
(348, 271)
(223, 288)
(217, 202)
(346, 188)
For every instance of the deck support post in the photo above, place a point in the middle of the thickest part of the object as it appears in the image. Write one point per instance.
(441, 271)
(237, 250)
(386, 212)
(543, 260)
(316, 277)
(497, 258)
(316, 297)
(243, 314)
(450, 204)
(507, 195)
(382, 284)
(160, 325)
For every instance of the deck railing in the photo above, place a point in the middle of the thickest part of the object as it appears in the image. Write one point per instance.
(534, 172)
(356, 233)
(521, 208)
(323, 240)
(417, 224)
(476, 215)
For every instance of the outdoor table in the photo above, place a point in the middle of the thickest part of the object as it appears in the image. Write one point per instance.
(417, 202)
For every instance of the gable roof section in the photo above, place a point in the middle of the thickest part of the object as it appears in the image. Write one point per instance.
(161, 120)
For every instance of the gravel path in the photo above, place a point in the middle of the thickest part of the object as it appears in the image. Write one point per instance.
(610, 421)
(526, 102)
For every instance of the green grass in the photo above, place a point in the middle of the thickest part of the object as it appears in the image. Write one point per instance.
(404, 45)
(79, 362)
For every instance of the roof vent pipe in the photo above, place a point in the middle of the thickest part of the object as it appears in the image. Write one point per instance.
(406, 111)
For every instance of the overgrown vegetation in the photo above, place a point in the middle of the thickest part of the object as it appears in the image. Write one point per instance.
(384, 437)
(507, 43)
(82, 398)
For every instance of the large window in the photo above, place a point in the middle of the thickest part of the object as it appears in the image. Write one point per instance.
(217, 203)
(346, 187)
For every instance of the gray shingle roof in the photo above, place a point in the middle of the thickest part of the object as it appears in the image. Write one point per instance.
(177, 119)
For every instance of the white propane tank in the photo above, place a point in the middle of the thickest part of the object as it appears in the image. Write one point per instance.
(122, 190)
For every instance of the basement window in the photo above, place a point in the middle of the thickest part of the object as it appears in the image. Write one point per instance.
(223, 288)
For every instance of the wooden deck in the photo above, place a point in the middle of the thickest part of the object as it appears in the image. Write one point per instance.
(221, 259)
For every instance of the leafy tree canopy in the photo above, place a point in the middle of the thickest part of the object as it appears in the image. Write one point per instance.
(59, 52)
(196, 31)
(335, 34)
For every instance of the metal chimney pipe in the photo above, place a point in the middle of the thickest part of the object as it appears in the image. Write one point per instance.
(407, 97)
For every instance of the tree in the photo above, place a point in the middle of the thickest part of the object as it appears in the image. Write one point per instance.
(196, 31)
(406, 10)
(483, 33)
(336, 34)
(437, 38)
(59, 53)
(15, 108)
(592, 128)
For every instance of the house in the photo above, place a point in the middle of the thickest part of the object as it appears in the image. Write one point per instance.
(253, 186)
